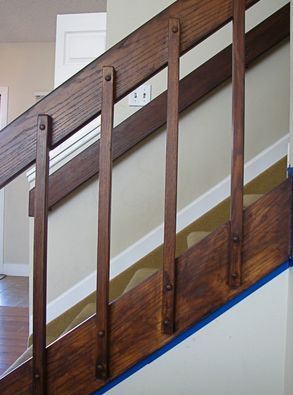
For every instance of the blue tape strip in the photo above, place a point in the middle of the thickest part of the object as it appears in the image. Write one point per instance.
(184, 335)
(290, 171)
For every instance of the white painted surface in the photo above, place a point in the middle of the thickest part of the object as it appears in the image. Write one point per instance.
(240, 353)
(80, 38)
(16, 269)
(140, 96)
(152, 240)
(3, 122)
(288, 377)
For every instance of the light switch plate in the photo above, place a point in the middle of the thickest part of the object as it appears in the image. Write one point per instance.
(140, 97)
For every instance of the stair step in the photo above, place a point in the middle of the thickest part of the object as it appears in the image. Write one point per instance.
(138, 277)
(195, 237)
(250, 199)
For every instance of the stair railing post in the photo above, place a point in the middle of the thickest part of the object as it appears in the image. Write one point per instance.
(44, 128)
(169, 250)
(104, 225)
(237, 170)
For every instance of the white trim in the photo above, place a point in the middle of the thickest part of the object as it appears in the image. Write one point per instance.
(62, 154)
(3, 123)
(16, 269)
(4, 107)
(152, 240)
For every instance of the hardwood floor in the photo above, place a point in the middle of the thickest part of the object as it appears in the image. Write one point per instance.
(14, 319)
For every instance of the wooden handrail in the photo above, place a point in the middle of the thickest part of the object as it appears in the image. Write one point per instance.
(136, 58)
(153, 116)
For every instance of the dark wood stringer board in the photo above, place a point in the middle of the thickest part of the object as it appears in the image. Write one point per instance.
(202, 287)
(152, 117)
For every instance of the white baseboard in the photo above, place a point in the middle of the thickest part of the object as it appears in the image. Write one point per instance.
(16, 269)
(154, 239)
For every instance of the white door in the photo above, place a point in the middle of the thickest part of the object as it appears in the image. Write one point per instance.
(80, 38)
(3, 122)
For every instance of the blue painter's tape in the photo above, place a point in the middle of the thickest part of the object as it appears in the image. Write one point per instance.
(290, 171)
(184, 335)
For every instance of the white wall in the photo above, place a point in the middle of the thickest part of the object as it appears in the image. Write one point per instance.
(289, 343)
(240, 353)
(288, 382)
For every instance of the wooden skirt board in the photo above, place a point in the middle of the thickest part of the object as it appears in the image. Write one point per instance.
(135, 318)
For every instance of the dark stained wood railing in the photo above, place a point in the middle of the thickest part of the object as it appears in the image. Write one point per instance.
(237, 169)
(112, 85)
(104, 225)
(169, 275)
(152, 117)
(78, 100)
(40, 255)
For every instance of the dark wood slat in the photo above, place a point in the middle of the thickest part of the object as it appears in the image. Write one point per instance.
(153, 116)
(40, 256)
(135, 59)
(169, 250)
(202, 288)
(237, 169)
(104, 225)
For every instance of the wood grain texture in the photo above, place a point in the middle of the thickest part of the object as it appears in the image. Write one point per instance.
(135, 59)
(153, 116)
(237, 168)
(202, 287)
(169, 249)
(13, 334)
(40, 256)
(104, 226)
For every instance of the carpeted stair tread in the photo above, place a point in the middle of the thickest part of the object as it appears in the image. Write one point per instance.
(138, 277)
(250, 199)
(195, 237)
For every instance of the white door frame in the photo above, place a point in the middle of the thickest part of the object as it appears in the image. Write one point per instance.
(3, 123)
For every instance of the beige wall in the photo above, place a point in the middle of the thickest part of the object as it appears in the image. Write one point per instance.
(25, 68)
(205, 144)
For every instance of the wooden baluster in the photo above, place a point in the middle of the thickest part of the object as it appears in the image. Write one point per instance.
(104, 225)
(169, 251)
(237, 171)
(40, 255)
